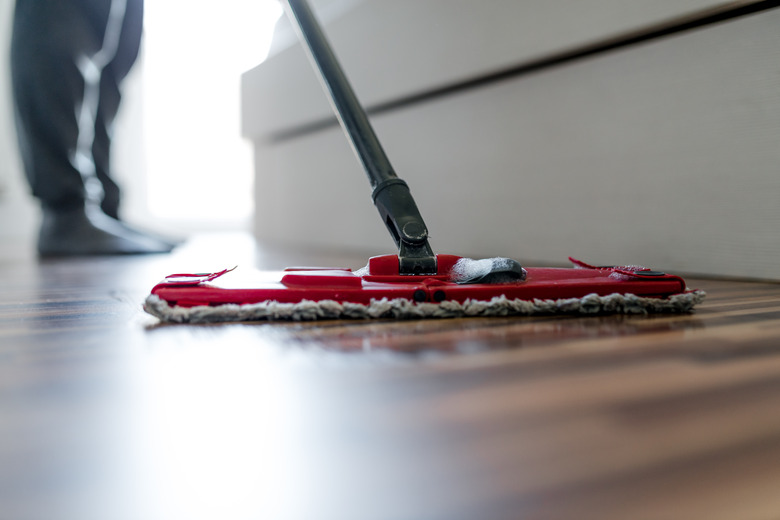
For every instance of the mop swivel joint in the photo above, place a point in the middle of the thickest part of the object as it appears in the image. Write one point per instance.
(400, 214)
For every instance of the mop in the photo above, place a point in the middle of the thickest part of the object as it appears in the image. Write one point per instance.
(415, 283)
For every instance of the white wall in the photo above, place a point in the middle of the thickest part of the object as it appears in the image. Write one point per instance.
(199, 168)
(663, 154)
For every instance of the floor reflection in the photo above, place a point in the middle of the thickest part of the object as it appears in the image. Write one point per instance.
(426, 337)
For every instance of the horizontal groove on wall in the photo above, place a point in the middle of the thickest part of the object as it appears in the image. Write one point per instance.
(693, 21)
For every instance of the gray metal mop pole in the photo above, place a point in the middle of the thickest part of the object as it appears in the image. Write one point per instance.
(391, 195)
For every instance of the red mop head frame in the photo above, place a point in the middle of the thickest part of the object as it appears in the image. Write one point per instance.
(339, 293)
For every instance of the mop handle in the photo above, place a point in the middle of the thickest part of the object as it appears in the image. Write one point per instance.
(391, 195)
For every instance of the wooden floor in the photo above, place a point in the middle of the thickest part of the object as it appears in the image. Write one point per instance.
(107, 414)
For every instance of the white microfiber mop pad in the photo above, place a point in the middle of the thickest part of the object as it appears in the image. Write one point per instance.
(591, 304)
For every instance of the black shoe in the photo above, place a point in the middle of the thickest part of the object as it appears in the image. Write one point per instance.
(88, 231)
(170, 241)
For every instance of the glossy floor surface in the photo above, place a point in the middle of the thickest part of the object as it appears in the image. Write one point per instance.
(107, 414)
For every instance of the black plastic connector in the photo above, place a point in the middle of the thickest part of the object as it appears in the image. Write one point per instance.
(399, 212)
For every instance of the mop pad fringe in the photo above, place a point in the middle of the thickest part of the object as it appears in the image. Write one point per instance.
(307, 310)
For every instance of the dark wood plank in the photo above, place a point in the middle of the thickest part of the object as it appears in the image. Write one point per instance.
(105, 413)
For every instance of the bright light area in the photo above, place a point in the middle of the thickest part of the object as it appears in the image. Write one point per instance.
(199, 172)
(216, 430)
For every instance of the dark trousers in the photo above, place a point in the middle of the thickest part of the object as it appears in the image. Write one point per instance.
(68, 58)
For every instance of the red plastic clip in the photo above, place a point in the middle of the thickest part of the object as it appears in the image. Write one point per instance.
(193, 279)
(625, 270)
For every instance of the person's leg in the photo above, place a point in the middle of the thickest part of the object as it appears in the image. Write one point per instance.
(128, 45)
(56, 52)
(47, 89)
(101, 151)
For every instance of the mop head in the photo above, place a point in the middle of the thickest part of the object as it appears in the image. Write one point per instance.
(199, 298)
(400, 308)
